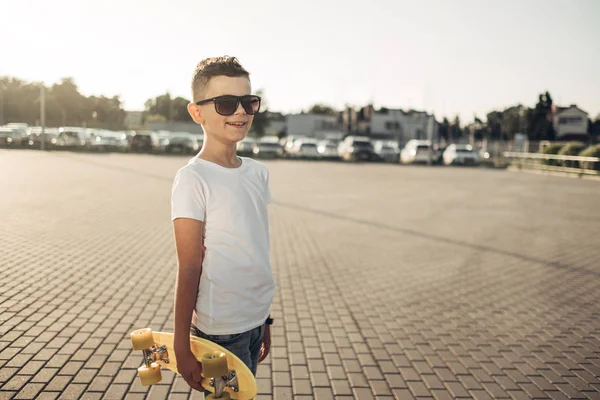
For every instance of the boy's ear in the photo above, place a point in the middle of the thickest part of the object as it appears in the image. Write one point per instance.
(196, 113)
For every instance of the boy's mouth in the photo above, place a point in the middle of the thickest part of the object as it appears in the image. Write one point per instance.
(237, 124)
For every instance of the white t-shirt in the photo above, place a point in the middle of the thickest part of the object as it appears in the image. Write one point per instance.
(236, 286)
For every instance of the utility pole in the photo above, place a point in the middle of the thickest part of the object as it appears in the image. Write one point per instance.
(43, 115)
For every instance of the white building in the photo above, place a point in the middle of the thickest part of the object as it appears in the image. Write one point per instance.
(398, 125)
(133, 118)
(404, 125)
(318, 126)
(570, 123)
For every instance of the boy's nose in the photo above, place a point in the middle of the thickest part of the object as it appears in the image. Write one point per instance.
(240, 109)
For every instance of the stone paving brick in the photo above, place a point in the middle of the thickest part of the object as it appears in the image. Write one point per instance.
(73, 392)
(30, 391)
(58, 383)
(16, 383)
(117, 391)
(379, 293)
(7, 373)
(282, 393)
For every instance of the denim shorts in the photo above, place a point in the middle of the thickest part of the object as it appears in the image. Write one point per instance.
(245, 345)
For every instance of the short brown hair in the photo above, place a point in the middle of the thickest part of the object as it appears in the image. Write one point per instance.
(215, 66)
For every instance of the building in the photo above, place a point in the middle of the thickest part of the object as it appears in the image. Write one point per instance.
(319, 126)
(133, 119)
(570, 123)
(392, 124)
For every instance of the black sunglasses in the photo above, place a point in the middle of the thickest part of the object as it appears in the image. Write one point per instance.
(228, 104)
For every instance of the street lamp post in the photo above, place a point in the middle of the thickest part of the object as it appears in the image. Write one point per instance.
(43, 115)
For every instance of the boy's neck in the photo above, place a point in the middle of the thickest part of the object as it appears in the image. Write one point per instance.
(219, 153)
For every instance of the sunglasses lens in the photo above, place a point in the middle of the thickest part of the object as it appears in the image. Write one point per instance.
(226, 105)
(251, 104)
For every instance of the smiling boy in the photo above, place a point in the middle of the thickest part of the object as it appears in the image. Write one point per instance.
(219, 208)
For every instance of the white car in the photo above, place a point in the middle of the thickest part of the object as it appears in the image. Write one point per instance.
(304, 148)
(356, 148)
(387, 151)
(328, 149)
(244, 147)
(74, 137)
(417, 151)
(267, 146)
(462, 154)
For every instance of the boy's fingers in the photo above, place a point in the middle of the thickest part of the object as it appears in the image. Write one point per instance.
(197, 376)
(193, 384)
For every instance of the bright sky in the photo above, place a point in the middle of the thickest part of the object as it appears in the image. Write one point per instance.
(450, 57)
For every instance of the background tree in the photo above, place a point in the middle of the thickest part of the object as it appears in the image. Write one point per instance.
(65, 105)
(170, 109)
(322, 109)
(444, 129)
(456, 131)
(261, 121)
(539, 124)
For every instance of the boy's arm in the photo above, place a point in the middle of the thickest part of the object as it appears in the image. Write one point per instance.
(189, 242)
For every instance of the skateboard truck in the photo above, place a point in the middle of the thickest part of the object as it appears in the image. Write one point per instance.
(154, 354)
(229, 380)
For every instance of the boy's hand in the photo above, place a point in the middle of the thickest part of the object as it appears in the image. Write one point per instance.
(190, 369)
(266, 344)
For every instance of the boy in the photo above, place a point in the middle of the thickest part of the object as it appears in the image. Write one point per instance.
(225, 286)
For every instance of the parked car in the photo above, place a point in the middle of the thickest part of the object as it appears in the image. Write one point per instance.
(182, 142)
(102, 140)
(417, 151)
(267, 146)
(10, 137)
(143, 141)
(35, 137)
(21, 135)
(287, 143)
(73, 138)
(462, 154)
(304, 148)
(328, 149)
(356, 148)
(387, 151)
(244, 146)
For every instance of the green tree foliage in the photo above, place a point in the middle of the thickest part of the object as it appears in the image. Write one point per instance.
(65, 105)
(322, 109)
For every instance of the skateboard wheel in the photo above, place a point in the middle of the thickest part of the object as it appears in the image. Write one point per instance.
(150, 375)
(224, 396)
(142, 339)
(214, 365)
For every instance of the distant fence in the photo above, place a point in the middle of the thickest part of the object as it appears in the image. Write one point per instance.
(556, 163)
(528, 153)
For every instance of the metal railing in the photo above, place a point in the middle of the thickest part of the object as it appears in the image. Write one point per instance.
(552, 162)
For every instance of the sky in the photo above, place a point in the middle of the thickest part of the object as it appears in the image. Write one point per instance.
(463, 57)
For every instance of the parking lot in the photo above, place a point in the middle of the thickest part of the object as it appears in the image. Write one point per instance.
(392, 281)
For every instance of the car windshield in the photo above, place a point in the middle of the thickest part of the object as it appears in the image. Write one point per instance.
(463, 150)
(311, 145)
(422, 147)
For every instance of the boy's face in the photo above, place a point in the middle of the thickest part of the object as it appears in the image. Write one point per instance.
(227, 129)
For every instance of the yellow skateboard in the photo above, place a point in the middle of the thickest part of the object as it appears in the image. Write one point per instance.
(224, 374)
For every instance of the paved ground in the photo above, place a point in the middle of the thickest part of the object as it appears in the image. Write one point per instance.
(393, 281)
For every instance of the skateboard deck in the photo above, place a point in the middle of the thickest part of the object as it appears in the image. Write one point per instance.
(223, 372)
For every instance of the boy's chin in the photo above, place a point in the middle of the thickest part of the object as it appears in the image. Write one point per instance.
(237, 136)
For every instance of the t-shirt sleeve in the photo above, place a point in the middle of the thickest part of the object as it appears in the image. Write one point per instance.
(188, 199)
